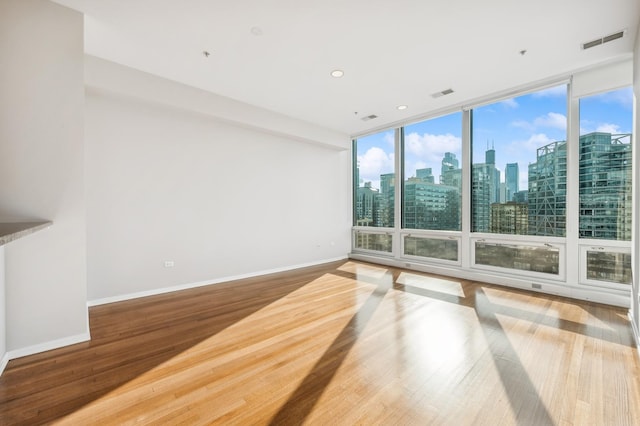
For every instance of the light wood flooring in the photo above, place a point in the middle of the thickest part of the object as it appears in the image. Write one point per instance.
(346, 343)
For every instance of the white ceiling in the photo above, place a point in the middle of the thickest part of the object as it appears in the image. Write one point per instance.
(392, 52)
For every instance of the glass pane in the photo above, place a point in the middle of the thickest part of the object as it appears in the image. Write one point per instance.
(609, 266)
(375, 180)
(432, 176)
(522, 257)
(435, 248)
(605, 165)
(378, 242)
(519, 165)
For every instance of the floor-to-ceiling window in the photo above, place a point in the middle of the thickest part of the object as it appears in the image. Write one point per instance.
(519, 165)
(432, 187)
(534, 187)
(519, 180)
(605, 187)
(374, 190)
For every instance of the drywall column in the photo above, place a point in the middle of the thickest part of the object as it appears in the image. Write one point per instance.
(3, 321)
(42, 173)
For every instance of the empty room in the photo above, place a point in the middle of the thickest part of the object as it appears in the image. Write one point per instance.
(312, 212)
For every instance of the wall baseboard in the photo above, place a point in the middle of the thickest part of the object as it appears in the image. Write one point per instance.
(47, 346)
(4, 362)
(154, 292)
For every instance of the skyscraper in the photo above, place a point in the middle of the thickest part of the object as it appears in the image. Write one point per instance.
(490, 156)
(387, 200)
(605, 186)
(367, 205)
(449, 162)
(425, 175)
(511, 176)
(548, 190)
(428, 205)
(485, 190)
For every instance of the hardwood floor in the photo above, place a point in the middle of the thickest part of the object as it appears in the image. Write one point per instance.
(343, 343)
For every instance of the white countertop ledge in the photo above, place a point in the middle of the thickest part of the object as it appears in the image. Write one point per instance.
(11, 231)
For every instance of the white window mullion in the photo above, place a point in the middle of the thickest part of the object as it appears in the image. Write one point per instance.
(466, 189)
(397, 246)
(573, 183)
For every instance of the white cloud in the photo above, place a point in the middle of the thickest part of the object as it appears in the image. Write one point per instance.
(389, 138)
(553, 120)
(373, 163)
(623, 97)
(538, 140)
(510, 103)
(427, 150)
(431, 147)
(586, 126)
(528, 147)
(608, 128)
(411, 167)
(590, 127)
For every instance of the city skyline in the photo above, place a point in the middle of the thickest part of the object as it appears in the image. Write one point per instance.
(604, 188)
(515, 127)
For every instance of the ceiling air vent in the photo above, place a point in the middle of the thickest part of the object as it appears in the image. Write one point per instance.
(602, 40)
(369, 117)
(444, 92)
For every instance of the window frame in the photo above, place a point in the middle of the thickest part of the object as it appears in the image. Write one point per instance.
(431, 235)
(572, 269)
(607, 247)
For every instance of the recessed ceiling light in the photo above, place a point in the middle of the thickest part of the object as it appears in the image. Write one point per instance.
(337, 73)
(401, 107)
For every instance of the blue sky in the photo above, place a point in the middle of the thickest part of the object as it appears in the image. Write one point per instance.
(515, 127)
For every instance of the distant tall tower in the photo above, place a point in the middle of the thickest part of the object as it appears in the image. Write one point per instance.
(490, 156)
(512, 174)
(387, 199)
(485, 190)
(425, 175)
(449, 162)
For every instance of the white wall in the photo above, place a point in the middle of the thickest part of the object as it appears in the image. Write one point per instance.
(635, 304)
(131, 83)
(3, 330)
(41, 173)
(219, 200)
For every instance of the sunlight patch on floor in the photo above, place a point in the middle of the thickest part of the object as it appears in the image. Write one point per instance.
(441, 285)
(220, 375)
(364, 271)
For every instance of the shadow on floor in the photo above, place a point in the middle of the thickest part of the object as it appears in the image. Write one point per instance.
(130, 338)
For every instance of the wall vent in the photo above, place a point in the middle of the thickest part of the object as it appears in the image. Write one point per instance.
(602, 40)
(369, 117)
(442, 93)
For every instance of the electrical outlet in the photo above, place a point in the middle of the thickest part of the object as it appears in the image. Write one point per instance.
(169, 264)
